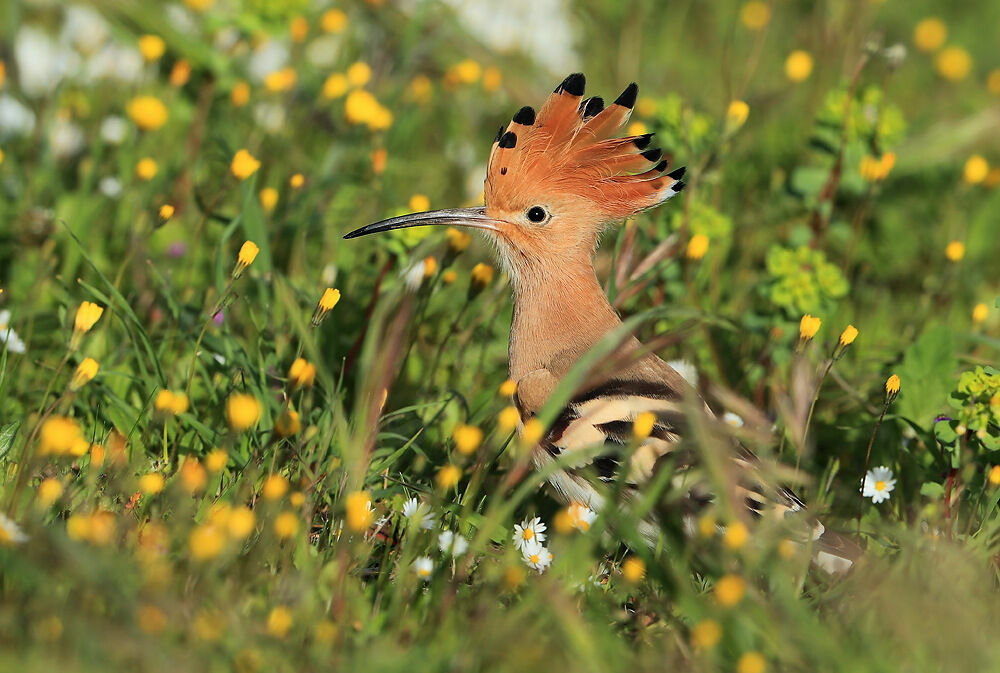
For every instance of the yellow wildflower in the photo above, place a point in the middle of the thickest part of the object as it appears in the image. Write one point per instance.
(358, 74)
(492, 79)
(467, 438)
(636, 129)
(482, 275)
(954, 251)
(205, 542)
(146, 169)
(151, 483)
(421, 89)
(326, 303)
(180, 73)
(335, 86)
(245, 257)
(751, 662)
(333, 21)
(755, 15)
(49, 491)
(279, 621)
(508, 388)
(58, 436)
(240, 95)
(532, 432)
(953, 63)
(244, 164)
(458, 240)
(848, 336)
(274, 488)
(419, 203)
(288, 423)
(930, 34)
(147, 112)
(241, 522)
(152, 47)
(302, 374)
(151, 618)
(216, 460)
(995, 475)
(464, 72)
(172, 403)
(729, 590)
(280, 80)
(798, 65)
(449, 276)
(633, 569)
(976, 169)
(697, 247)
(296, 181)
(736, 535)
(85, 371)
(286, 525)
(980, 312)
(808, 326)
(193, 475)
(430, 266)
(379, 158)
(242, 411)
(645, 107)
(736, 114)
(508, 419)
(706, 634)
(642, 426)
(892, 386)
(268, 198)
(298, 29)
(166, 212)
(448, 476)
(358, 511)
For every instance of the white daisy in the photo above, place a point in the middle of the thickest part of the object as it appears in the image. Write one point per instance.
(687, 370)
(424, 567)
(529, 530)
(419, 513)
(8, 336)
(878, 484)
(453, 544)
(536, 555)
(581, 517)
(10, 533)
(113, 130)
(729, 418)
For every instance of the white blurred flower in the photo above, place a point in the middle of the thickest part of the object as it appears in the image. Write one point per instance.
(453, 544)
(84, 28)
(41, 62)
(323, 51)
(65, 138)
(226, 38)
(113, 130)
(729, 418)
(117, 62)
(413, 277)
(270, 116)
(8, 336)
(329, 275)
(181, 20)
(687, 371)
(15, 118)
(424, 567)
(878, 484)
(529, 530)
(581, 517)
(419, 513)
(10, 532)
(536, 555)
(110, 186)
(269, 57)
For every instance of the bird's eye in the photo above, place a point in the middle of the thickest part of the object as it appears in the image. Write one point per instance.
(537, 214)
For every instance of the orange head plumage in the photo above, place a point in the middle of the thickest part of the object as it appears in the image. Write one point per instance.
(556, 179)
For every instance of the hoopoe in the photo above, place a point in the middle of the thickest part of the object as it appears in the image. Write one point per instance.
(555, 180)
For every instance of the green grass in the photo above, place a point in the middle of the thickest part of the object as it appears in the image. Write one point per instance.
(217, 572)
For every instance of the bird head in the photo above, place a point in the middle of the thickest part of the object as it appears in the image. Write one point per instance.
(557, 178)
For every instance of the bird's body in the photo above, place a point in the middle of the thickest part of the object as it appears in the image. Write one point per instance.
(555, 180)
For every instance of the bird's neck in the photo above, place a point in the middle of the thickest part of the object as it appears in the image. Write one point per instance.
(559, 314)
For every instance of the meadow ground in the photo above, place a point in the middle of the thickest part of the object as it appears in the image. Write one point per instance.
(230, 440)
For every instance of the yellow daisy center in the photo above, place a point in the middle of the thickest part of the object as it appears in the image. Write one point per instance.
(528, 534)
(534, 558)
(879, 485)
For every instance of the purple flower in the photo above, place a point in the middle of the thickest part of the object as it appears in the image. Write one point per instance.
(219, 318)
(177, 249)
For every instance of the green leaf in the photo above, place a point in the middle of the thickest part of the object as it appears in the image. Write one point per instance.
(7, 435)
(927, 374)
(932, 489)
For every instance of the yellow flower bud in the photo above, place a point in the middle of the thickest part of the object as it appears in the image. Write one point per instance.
(85, 371)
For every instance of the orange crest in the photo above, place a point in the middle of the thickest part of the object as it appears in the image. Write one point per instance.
(567, 153)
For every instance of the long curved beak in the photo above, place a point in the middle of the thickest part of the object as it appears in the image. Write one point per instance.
(453, 217)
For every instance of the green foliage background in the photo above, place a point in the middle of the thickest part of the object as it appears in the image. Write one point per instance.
(794, 227)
